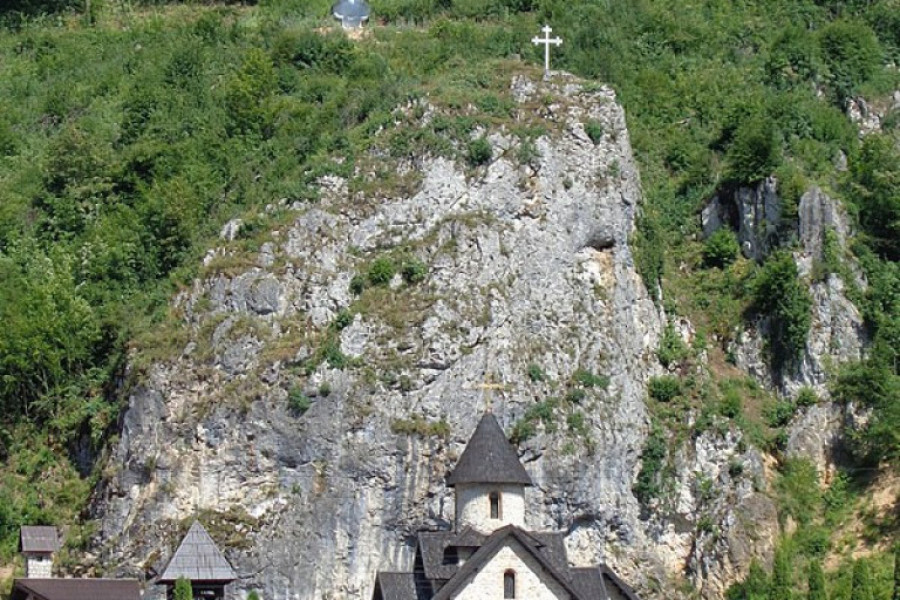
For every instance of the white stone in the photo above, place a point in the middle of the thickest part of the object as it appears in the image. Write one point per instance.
(473, 506)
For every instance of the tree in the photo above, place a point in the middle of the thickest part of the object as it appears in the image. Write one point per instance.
(756, 150)
(183, 590)
(782, 296)
(861, 588)
(781, 576)
(896, 594)
(721, 249)
(816, 582)
(253, 595)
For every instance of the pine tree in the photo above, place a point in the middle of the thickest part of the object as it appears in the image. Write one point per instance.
(816, 582)
(183, 590)
(862, 588)
(781, 576)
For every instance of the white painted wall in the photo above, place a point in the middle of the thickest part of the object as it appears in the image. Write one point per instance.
(473, 506)
(38, 566)
(532, 581)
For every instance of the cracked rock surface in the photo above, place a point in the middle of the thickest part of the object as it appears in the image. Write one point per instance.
(311, 426)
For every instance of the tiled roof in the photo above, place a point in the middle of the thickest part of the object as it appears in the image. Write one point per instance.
(489, 458)
(76, 589)
(197, 559)
(38, 539)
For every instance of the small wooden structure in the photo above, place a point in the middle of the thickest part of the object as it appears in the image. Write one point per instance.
(75, 589)
(37, 544)
(200, 561)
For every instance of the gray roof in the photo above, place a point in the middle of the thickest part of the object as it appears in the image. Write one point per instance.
(602, 583)
(492, 545)
(351, 9)
(489, 458)
(442, 580)
(395, 586)
(76, 589)
(197, 559)
(38, 539)
(431, 547)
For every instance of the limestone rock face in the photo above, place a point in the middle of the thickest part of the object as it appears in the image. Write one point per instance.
(754, 212)
(333, 375)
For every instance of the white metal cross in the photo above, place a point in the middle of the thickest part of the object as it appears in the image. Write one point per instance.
(546, 41)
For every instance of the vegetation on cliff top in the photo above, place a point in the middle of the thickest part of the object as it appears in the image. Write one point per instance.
(129, 135)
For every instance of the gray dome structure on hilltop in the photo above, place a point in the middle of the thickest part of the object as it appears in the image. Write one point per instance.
(352, 13)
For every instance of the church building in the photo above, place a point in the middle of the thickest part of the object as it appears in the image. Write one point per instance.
(490, 554)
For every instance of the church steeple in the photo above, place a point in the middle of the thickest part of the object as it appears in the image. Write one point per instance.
(489, 480)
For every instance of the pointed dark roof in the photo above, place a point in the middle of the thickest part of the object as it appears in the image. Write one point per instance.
(38, 538)
(489, 458)
(197, 559)
(492, 545)
(76, 589)
(395, 586)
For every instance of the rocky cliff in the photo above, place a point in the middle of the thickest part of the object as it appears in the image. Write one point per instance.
(331, 377)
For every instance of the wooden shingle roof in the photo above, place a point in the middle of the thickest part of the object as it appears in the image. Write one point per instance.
(38, 539)
(489, 458)
(76, 589)
(198, 559)
(395, 586)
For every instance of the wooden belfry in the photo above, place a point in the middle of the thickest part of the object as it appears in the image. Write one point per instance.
(200, 561)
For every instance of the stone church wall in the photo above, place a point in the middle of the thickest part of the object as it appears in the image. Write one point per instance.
(474, 508)
(532, 581)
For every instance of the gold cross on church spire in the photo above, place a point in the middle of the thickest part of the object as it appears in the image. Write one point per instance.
(487, 387)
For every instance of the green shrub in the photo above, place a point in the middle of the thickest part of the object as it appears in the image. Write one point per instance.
(755, 152)
(731, 404)
(479, 152)
(874, 180)
(852, 53)
(649, 480)
(589, 380)
(381, 271)
(807, 397)
(577, 423)
(342, 320)
(721, 249)
(780, 294)
(594, 131)
(798, 489)
(672, 348)
(358, 284)
(413, 271)
(535, 373)
(780, 413)
(665, 388)
(298, 402)
(576, 396)
(183, 590)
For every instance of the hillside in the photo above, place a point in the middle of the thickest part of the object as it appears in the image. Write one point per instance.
(242, 252)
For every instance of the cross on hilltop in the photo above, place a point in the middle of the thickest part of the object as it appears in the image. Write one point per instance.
(546, 41)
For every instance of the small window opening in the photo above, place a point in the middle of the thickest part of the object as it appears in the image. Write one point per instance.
(451, 556)
(495, 505)
(509, 585)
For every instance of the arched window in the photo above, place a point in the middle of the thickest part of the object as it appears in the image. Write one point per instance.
(494, 498)
(509, 585)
